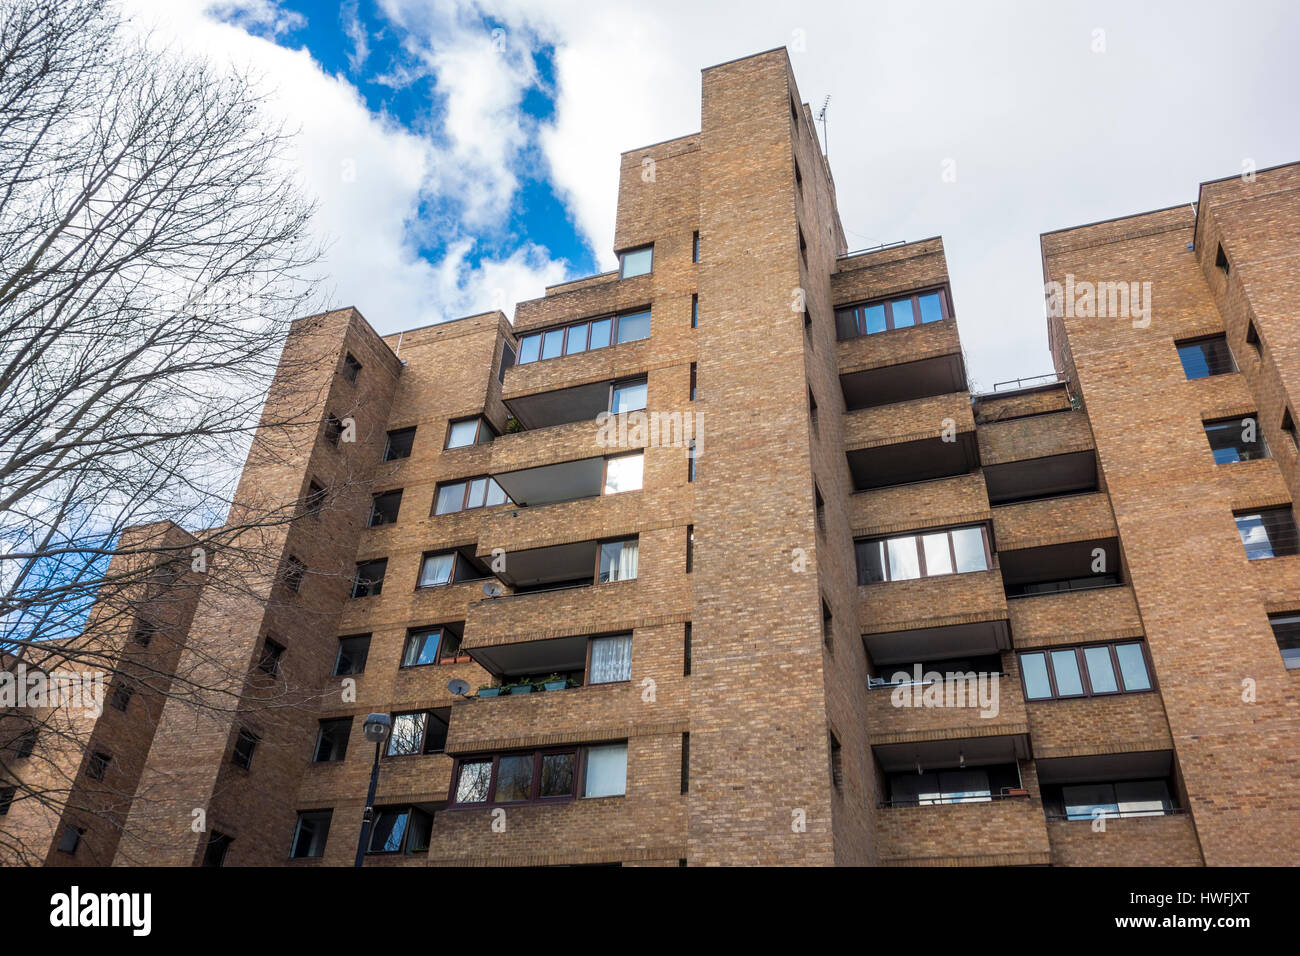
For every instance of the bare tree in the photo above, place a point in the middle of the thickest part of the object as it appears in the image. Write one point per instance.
(153, 248)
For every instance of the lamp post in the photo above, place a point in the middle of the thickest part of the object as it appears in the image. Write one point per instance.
(376, 728)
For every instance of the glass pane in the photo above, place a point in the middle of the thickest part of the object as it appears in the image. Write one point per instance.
(873, 317)
(577, 339)
(611, 659)
(495, 494)
(1065, 665)
(421, 649)
(552, 343)
(969, 545)
(462, 434)
(1034, 667)
(624, 474)
(634, 327)
(600, 330)
(450, 498)
(1101, 674)
(931, 307)
(557, 775)
(871, 562)
(436, 570)
(903, 561)
(389, 827)
(606, 771)
(846, 324)
(937, 558)
(638, 262)
(965, 786)
(618, 560)
(1142, 798)
(1236, 440)
(477, 493)
(472, 787)
(407, 735)
(530, 347)
(1133, 667)
(629, 397)
(514, 778)
(1082, 801)
(1206, 357)
(902, 312)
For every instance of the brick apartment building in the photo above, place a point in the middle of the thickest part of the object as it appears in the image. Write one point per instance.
(722, 631)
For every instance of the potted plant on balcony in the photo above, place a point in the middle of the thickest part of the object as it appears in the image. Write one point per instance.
(554, 682)
(521, 687)
(489, 691)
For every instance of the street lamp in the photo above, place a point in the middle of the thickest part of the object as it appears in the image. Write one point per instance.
(377, 728)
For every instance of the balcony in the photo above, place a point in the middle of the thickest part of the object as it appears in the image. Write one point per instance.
(960, 499)
(899, 347)
(1098, 614)
(1034, 524)
(960, 702)
(1057, 568)
(577, 403)
(1121, 790)
(1039, 436)
(978, 639)
(925, 603)
(1168, 840)
(890, 384)
(1037, 478)
(1100, 724)
(912, 441)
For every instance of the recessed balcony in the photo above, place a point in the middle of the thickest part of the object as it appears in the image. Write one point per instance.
(1057, 568)
(888, 384)
(1033, 479)
(1036, 437)
(975, 639)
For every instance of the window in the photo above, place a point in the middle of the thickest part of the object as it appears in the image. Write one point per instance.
(351, 367)
(1132, 798)
(635, 262)
(819, 509)
(611, 659)
(399, 444)
(25, 743)
(469, 431)
(898, 312)
(1204, 357)
(584, 336)
(624, 473)
(1286, 630)
(122, 694)
(400, 830)
(695, 248)
(333, 429)
(369, 579)
(507, 362)
(695, 311)
(97, 765)
(686, 763)
(1288, 427)
(957, 550)
(690, 460)
(419, 732)
(618, 560)
(310, 834)
(294, 570)
(269, 661)
(828, 624)
(690, 547)
(686, 650)
(803, 246)
(245, 744)
(448, 567)
(1252, 337)
(429, 646)
(837, 762)
(384, 507)
(314, 499)
(812, 408)
(1236, 439)
(540, 776)
(1268, 533)
(352, 655)
(6, 799)
(693, 382)
(482, 492)
(629, 396)
(214, 854)
(1221, 260)
(71, 838)
(954, 785)
(1092, 671)
(332, 740)
(144, 633)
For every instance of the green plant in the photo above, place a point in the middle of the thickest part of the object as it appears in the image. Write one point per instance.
(513, 425)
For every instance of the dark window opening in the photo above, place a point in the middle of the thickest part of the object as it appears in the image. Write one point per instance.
(1286, 631)
(97, 765)
(6, 799)
(384, 507)
(430, 645)
(245, 744)
(333, 429)
(332, 740)
(1092, 801)
(369, 579)
(1236, 439)
(1288, 427)
(690, 547)
(351, 367)
(828, 624)
(694, 391)
(636, 262)
(71, 839)
(507, 362)
(122, 694)
(399, 830)
(686, 763)
(418, 732)
(399, 444)
(269, 661)
(686, 649)
(837, 762)
(1221, 260)
(294, 572)
(144, 632)
(1252, 337)
(214, 854)
(314, 499)
(25, 743)
(1204, 357)
(352, 655)
(695, 311)
(310, 834)
(695, 248)
(450, 567)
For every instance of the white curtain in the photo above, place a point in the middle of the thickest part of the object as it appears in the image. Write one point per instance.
(436, 570)
(611, 659)
(627, 561)
(606, 771)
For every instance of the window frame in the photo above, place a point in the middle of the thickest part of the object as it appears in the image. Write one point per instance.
(97, 764)
(351, 367)
(464, 498)
(600, 544)
(421, 750)
(328, 815)
(270, 657)
(481, 425)
(1085, 678)
(859, 317)
(442, 658)
(374, 587)
(320, 734)
(374, 502)
(583, 327)
(579, 752)
(1285, 618)
(1180, 344)
(244, 763)
(338, 656)
(1292, 544)
(920, 553)
(388, 443)
(622, 261)
(1233, 421)
(409, 810)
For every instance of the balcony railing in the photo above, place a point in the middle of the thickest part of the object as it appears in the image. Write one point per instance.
(1006, 793)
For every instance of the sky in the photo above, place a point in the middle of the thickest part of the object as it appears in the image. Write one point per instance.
(464, 153)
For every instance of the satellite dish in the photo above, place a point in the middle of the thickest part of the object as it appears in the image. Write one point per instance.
(492, 589)
(458, 687)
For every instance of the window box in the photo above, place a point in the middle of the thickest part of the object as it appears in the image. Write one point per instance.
(489, 691)
(560, 683)
(521, 689)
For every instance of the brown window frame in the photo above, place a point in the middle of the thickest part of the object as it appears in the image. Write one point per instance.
(579, 752)
(375, 587)
(483, 424)
(920, 552)
(388, 443)
(374, 501)
(569, 329)
(860, 321)
(443, 658)
(457, 558)
(422, 750)
(464, 499)
(1085, 679)
(338, 655)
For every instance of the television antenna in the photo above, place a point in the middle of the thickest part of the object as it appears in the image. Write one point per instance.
(821, 116)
